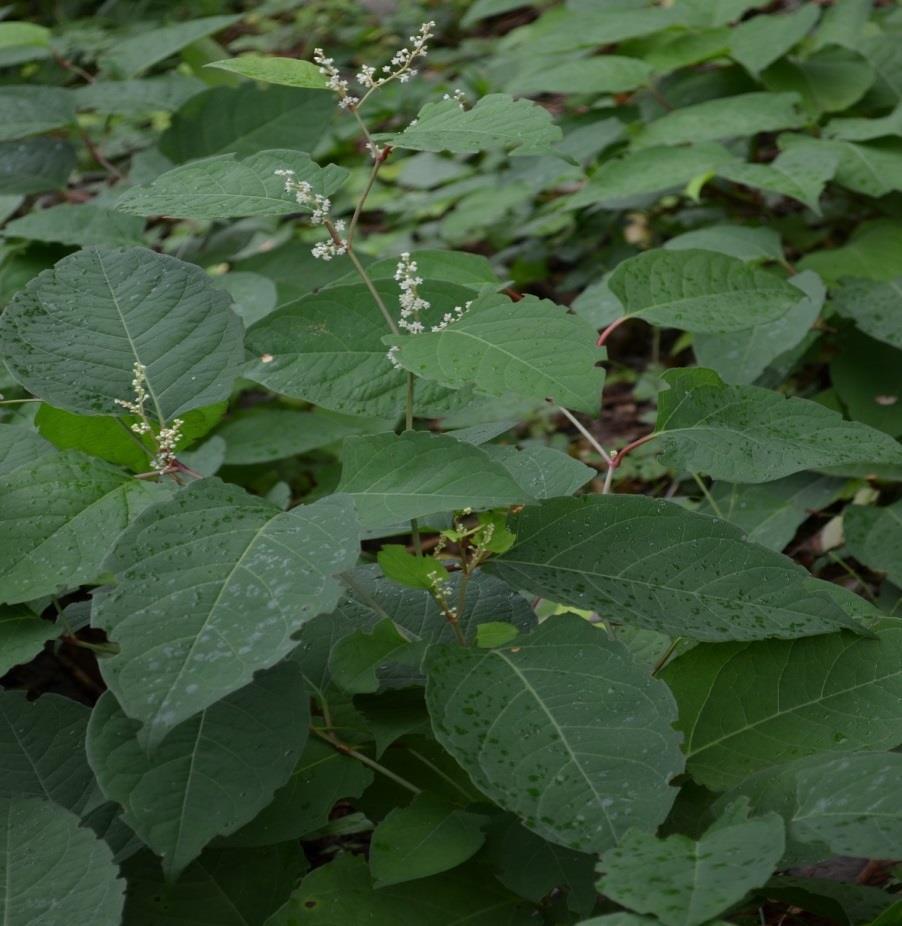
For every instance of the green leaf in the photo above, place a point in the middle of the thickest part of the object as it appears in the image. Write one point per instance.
(497, 121)
(43, 748)
(771, 512)
(651, 563)
(685, 882)
(20, 446)
(424, 838)
(270, 69)
(254, 296)
(13, 34)
(212, 774)
(542, 472)
(354, 660)
(267, 434)
(673, 49)
(73, 336)
(532, 722)
(337, 893)
(830, 80)
(748, 434)
(53, 871)
(246, 120)
(327, 349)
(30, 110)
(747, 706)
(322, 777)
(130, 97)
(604, 74)
(874, 537)
(798, 173)
(220, 554)
(230, 187)
(495, 633)
(22, 636)
(740, 357)
(759, 41)
(224, 887)
(744, 242)
(395, 477)
(35, 165)
(853, 804)
(651, 170)
(873, 168)
(865, 377)
(728, 117)
(700, 291)
(83, 225)
(506, 347)
(853, 129)
(874, 306)
(133, 55)
(410, 570)
(62, 514)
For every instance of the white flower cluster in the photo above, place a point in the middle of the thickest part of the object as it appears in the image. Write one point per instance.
(166, 443)
(335, 81)
(139, 379)
(456, 314)
(319, 207)
(402, 60)
(458, 97)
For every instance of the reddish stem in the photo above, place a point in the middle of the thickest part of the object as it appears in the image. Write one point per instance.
(607, 331)
(615, 462)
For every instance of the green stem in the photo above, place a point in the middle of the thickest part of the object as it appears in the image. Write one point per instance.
(361, 272)
(667, 654)
(347, 750)
(355, 218)
(708, 497)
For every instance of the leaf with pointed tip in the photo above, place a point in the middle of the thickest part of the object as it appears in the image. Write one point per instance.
(853, 804)
(749, 434)
(532, 723)
(61, 516)
(227, 186)
(42, 749)
(52, 870)
(327, 349)
(395, 477)
(497, 121)
(875, 307)
(725, 117)
(22, 636)
(700, 291)
(424, 838)
(746, 706)
(73, 336)
(872, 252)
(865, 129)
(872, 168)
(686, 882)
(651, 563)
(212, 585)
(224, 887)
(511, 348)
(271, 69)
(165, 92)
(874, 537)
(212, 774)
(759, 41)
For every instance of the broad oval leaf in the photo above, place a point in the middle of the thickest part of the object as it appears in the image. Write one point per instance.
(212, 774)
(52, 870)
(532, 348)
(211, 587)
(749, 434)
(74, 334)
(534, 722)
(62, 514)
(395, 477)
(700, 291)
(227, 186)
(271, 69)
(746, 706)
(651, 563)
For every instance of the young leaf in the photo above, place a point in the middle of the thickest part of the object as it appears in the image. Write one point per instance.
(395, 477)
(874, 537)
(74, 334)
(531, 723)
(853, 804)
(227, 186)
(684, 882)
(505, 347)
(875, 307)
(497, 121)
(221, 555)
(271, 69)
(224, 887)
(424, 838)
(700, 291)
(746, 706)
(653, 564)
(410, 570)
(30, 110)
(61, 515)
(728, 117)
(212, 774)
(748, 434)
(43, 748)
(52, 870)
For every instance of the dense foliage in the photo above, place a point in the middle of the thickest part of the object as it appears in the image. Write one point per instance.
(449, 470)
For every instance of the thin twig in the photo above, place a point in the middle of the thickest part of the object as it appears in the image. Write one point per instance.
(347, 750)
(708, 496)
(586, 434)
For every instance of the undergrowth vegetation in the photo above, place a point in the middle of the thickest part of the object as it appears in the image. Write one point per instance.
(449, 463)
